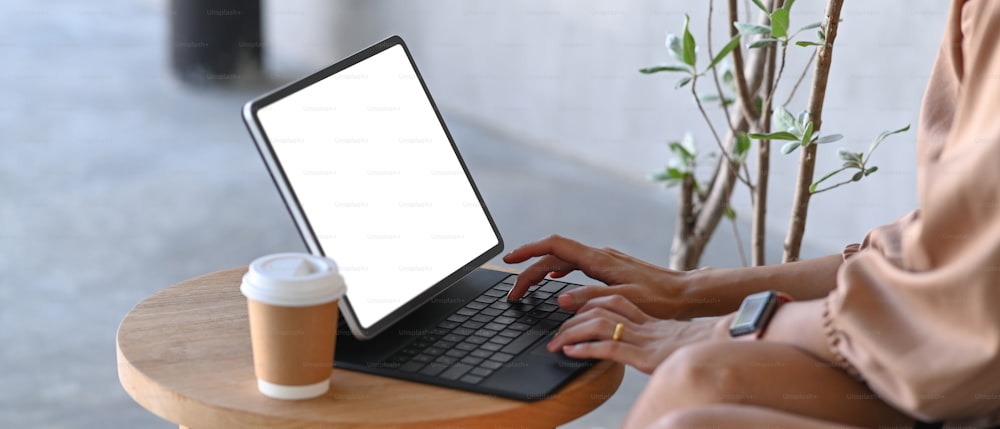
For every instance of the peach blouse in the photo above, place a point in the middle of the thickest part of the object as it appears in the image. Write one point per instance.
(916, 311)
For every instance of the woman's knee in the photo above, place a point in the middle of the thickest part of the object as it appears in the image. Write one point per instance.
(704, 374)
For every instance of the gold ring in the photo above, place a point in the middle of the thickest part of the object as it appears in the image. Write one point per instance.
(619, 330)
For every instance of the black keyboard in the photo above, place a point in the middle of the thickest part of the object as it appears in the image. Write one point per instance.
(485, 334)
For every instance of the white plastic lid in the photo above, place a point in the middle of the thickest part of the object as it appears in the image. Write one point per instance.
(293, 280)
(279, 391)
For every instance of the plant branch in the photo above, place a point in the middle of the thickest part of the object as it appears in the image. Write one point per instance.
(739, 242)
(807, 162)
(743, 93)
(715, 70)
(831, 187)
(758, 231)
(802, 77)
(718, 140)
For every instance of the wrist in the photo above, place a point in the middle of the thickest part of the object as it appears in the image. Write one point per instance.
(693, 297)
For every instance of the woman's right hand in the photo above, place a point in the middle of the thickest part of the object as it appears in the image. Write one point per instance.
(655, 290)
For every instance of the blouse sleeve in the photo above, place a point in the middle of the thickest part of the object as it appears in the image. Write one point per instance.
(916, 313)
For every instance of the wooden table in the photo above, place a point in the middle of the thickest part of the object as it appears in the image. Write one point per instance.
(184, 354)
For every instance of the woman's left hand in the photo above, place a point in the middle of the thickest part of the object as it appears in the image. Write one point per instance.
(645, 341)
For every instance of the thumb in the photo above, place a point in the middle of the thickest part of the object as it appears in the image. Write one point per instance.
(576, 298)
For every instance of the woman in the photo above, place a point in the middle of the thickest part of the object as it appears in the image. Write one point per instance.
(904, 327)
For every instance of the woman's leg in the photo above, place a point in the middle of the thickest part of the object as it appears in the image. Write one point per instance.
(764, 375)
(740, 417)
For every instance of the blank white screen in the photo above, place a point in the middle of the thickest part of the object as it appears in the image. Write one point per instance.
(378, 181)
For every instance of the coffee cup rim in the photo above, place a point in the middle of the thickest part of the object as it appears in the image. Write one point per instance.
(322, 285)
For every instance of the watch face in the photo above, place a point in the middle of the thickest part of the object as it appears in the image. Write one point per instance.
(753, 313)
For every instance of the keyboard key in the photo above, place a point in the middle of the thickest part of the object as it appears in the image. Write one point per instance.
(485, 299)
(471, 379)
(458, 370)
(457, 318)
(552, 287)
(475, 305)
(465, 346)
(559, 316)
(504, 320)
(473, 325)
(433, 369)
(412, 366)
(542, 295)
(502, 305)
(471, 360)
(491, 311)
(528, 320)
(481, 353)
(500, 339)
(466, 312)
(481, 372)
(444, 345)
(447, 325)
(533, 288)
(513, 313)
(496, 293)
(434, 351)
(509, 333)
(531, 300)
(490, 364)
(453, 338)
(510, 279)
(491, 347)
(519, 327)
(495, 327)
(539, 314)
(502, 357)
(475, 339)
(486, 333)
(463, 331)
(482, 318)
(422, 358)
(548, 308)
(455, 353)
(437, 332)
(445, 360)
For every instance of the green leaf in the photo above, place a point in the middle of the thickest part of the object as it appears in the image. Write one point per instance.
(682, 82)
(853, 164)
(733, 43)
(679, 149)
(804, 43)
(688, 45)
(729, 213)
(812, 188)
(784, 120)
(657, 69)
(810, 27)
(878, 140)
(821, 35)
(779, 23)
(780, 135)
(871, 170)
(858, 176)
(761, 6)
(847, 155)
(761, 43)
(674, 47)
(789, 147)
(742, 148)
(788, 5)
(751, 29)
(829, 139)
(807, 134)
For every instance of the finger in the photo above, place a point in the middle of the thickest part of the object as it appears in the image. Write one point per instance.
(574, 299)
(617, 304)
(592, 314)
(589, 329)
(535, 273)
(618, 351)
(592, 261)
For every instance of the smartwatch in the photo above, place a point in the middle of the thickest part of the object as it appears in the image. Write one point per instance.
(755, 313)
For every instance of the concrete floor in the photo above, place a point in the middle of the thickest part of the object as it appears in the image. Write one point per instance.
(117, 182)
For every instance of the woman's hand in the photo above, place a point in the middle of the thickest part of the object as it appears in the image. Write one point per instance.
(655, 290)
(645, 341)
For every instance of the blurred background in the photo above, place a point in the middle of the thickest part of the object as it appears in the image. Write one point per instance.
(118, 179)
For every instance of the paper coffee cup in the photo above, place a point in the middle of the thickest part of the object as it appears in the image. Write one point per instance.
(292, 302)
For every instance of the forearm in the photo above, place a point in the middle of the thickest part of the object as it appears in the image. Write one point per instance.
(713, 292)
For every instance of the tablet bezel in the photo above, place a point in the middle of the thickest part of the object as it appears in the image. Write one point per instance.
(252, 122)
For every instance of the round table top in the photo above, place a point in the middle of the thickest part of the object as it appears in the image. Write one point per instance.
(184, 354)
